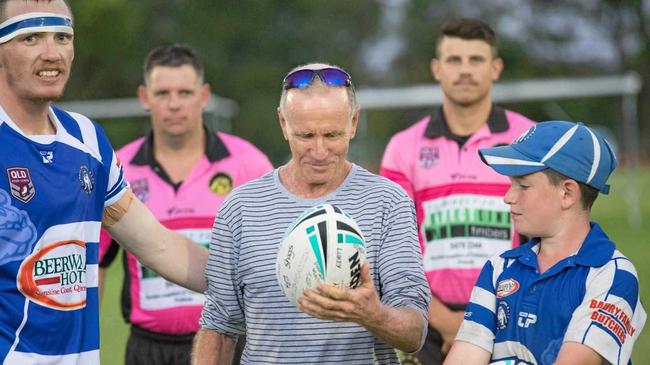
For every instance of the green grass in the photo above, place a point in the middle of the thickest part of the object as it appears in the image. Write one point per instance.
(611, 211)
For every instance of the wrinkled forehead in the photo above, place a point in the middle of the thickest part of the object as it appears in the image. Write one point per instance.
(35, 22)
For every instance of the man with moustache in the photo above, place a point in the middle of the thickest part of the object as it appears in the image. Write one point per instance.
(462, 219)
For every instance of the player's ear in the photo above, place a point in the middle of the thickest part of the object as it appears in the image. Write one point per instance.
(570, 193)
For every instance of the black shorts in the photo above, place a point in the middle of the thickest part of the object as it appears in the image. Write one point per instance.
(146, 348)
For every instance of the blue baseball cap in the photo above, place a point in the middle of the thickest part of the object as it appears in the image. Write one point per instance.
(572, 149)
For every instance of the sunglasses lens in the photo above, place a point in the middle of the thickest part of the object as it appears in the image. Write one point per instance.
(299, 79)
(335, 77)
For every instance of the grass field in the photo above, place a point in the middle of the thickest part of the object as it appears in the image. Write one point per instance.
(610, 211)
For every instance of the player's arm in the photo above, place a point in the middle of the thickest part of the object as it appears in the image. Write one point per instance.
(400, 327)
(212, 348)
(465, 353)
(573, 353)
(168, 253)
(445, 321)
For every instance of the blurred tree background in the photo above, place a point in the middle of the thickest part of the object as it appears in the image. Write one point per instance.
(249, 45)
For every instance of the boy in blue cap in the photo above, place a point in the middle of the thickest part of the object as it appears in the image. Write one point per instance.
(567, 296)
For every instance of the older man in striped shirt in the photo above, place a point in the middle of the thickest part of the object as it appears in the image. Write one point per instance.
(318, 115)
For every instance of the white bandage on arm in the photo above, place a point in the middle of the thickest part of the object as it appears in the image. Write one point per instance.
(114, 212)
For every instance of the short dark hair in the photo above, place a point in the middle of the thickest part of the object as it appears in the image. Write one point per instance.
(3, 7)
(469, 29)
(173, 55)
(588, 194)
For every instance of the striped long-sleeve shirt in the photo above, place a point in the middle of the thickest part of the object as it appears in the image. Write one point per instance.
(244, 296)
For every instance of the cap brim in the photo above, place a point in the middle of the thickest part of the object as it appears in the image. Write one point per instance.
(506, 160)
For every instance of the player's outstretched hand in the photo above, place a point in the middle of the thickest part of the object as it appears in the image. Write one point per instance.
(360, 305)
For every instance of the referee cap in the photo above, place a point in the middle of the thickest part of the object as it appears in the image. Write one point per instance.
(572, 149)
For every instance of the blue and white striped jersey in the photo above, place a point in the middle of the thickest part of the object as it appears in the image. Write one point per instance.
(245, 297)
(53, 190)
(591, 297)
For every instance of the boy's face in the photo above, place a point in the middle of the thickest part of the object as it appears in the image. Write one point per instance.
(535, 205)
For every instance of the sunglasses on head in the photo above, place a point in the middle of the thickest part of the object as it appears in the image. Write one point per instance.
(331, 76)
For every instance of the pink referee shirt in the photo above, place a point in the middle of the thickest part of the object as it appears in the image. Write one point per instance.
(149, 301)
(462, 218)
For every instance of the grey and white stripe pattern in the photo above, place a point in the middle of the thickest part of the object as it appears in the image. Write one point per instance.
(243, 294)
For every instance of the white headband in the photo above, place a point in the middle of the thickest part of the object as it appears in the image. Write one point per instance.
(34, 23)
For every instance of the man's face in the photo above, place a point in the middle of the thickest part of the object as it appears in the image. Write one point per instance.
(36, 66)
(175, 96)
(318, 124)
(465, 70)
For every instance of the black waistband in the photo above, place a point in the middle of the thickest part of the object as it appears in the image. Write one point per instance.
(162, 337)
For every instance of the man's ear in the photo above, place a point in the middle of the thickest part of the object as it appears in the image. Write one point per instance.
(283, 124)
(143, 97)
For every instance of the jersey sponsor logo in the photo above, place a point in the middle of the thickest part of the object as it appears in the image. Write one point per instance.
(86, 179)
(507, 287)
(55, 276)
(221, 183)
(613, 318)
(464, 230)
(429, 156)
(140, 189)
(22, 187)
(47, 156)
(17, 232)
(526, 319)
(503, 315)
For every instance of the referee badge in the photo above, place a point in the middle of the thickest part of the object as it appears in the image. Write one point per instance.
(221, 183)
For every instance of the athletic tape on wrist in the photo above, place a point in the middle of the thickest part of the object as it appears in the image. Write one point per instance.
(34, 23)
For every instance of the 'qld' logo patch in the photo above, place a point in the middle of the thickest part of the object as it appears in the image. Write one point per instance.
(55, 276)
(22, 187)
(507, 287)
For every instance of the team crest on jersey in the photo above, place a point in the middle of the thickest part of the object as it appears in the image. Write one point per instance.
(429, 156)
(503, 314)
(221, 183)
(55, 276)
(22, 187)
(507, 287)
(140, 189)
(86, 179)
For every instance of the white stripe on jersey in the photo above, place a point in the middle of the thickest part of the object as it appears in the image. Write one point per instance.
(497, 268)
(507, 348)
(84, 358)
(484, 298)
(88, 133)
(82, 231)
(92, 271)
(476, 334)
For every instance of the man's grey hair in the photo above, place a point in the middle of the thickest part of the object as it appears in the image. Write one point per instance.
(352, 96)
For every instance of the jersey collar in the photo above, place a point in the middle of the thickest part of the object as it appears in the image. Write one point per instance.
(215, 150)
(437, 126)
(596, 250)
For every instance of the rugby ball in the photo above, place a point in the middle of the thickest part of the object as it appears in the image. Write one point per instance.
(324, 245)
